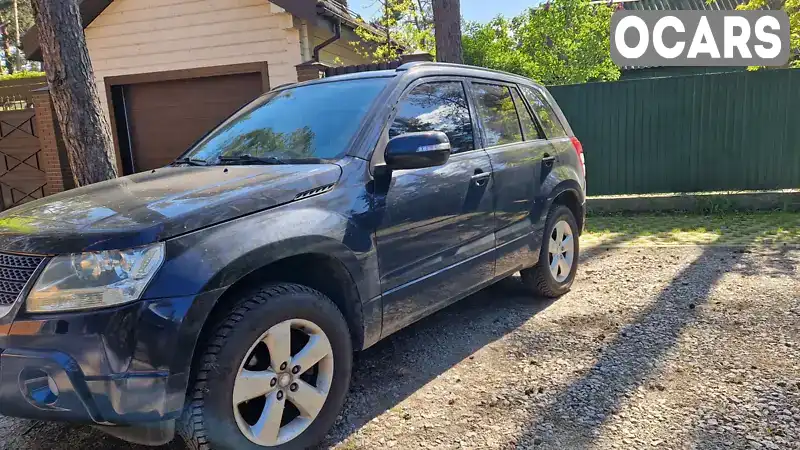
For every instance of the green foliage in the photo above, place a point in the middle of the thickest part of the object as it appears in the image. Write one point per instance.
(493, 45)
(26, 16)
(563, 42)
(21, 75)
(266, 141)
(404, 26)
(792, 8)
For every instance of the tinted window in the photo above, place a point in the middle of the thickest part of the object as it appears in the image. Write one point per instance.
(547, 117)
(307, 122)
(499, 115)
(436, 107)
(528, 126)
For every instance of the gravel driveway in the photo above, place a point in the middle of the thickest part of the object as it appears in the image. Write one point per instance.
(680, 347)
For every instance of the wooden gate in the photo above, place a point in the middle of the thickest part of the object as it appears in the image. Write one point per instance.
(21, 176)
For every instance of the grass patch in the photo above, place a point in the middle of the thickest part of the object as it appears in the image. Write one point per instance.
(732, 228)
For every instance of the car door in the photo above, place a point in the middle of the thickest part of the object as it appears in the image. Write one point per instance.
(435, 238)
(520, 156)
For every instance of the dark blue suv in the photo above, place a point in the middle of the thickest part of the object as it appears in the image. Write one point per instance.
(226, 293)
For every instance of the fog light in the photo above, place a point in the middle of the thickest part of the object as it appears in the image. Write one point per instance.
(39, 388)
(51, 383)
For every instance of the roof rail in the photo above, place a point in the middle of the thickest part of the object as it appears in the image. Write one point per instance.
(282, 86)
(411, 65)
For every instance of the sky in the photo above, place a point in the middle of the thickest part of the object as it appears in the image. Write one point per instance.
(472, 10)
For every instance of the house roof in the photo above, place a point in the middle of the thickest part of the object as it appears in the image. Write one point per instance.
(303, 9)
(677, 5)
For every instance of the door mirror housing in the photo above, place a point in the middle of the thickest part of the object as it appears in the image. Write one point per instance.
(417, 150)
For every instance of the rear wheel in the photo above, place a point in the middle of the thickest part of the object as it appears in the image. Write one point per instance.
(273, 375)
(553, 274)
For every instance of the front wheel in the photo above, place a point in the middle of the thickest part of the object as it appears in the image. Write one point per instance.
(273, 375)
(553, 274)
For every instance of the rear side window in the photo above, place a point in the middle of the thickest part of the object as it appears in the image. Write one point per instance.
(496, 108)
(438, 106)
(529, 128)
(547, 117)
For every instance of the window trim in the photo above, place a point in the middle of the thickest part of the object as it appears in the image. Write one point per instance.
(534, 117)
(477, 141)
(473, 98)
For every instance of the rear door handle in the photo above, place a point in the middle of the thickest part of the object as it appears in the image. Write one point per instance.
(481, 178)
(548, 160)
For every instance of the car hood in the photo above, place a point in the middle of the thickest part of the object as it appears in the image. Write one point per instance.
(152, 206)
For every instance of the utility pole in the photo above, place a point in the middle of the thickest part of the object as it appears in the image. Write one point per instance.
(18, 43)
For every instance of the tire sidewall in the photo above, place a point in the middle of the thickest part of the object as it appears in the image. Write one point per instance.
(556, 215)
(218, 416)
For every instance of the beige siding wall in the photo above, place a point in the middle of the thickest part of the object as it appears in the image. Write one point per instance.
(341, 49)
(142, 36)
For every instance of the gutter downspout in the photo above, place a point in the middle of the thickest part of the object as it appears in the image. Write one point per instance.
(305, 42)
(337, 34)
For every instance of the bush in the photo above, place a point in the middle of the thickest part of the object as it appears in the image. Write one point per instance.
(21, 75)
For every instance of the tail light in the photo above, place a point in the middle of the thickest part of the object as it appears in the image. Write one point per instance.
(579, 150)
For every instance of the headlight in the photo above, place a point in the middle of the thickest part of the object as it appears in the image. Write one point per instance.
(95, 280)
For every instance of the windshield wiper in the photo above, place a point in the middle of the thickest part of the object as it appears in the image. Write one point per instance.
(250, 159)
(191, 161)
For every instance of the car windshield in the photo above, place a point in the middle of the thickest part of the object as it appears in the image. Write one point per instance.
(302, 124)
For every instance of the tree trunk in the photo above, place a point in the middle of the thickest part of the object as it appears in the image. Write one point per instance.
(86, 133)
(447, 20)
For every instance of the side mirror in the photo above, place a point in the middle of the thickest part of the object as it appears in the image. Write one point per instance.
(417, 150)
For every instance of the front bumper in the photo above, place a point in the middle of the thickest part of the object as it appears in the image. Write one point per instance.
(119, 366)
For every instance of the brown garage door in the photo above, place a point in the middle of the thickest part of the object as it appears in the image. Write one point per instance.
(166, 117)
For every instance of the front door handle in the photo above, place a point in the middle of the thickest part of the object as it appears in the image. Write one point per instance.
(481, 178)
(548, 160)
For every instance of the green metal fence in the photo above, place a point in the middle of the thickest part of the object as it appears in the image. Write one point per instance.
(726, 131)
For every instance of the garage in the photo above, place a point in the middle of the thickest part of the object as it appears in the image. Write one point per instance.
(158, 116)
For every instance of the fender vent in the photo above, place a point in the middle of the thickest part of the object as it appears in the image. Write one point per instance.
(313, 192)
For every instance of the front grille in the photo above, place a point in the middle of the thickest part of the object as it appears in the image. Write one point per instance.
(15, 271)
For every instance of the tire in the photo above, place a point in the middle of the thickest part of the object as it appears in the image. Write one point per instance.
(212, 421)
(540, 278)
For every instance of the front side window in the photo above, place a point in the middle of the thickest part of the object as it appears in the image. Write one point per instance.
(496, 108)
(438, 106)
(547, 117)
(305, 123)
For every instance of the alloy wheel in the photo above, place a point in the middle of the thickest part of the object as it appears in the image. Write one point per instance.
(283, 382)
(561, 251)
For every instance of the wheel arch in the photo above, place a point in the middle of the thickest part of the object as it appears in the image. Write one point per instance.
(330, 276)
(570, 194)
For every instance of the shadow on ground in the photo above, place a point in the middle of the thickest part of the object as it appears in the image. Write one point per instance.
(400, 365)
(574, 417)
